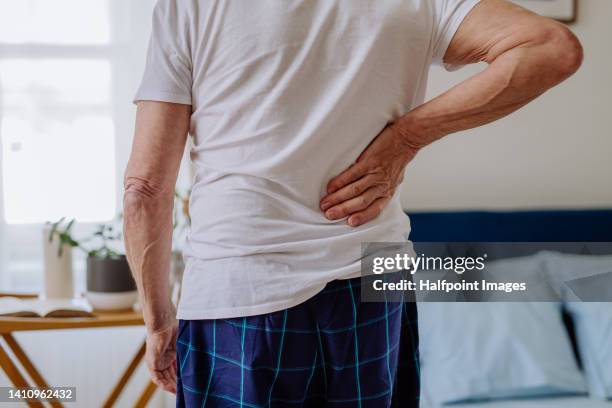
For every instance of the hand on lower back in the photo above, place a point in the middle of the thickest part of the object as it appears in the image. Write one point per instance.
(363, 190)
(161, 357)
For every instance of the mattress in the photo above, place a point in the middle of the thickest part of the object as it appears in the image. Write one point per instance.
(561, 402)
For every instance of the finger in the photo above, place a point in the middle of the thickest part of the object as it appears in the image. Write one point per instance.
(353, 173)
(373, 211)
(168, 374)
(174, 369)
(350, 191)
(172, 373)
(172, 389)
(157, 378)
(170, 380)
(165, 381)
(168, 387)
(353, 205)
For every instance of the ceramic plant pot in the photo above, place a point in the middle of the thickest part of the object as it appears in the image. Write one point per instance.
(110, 285)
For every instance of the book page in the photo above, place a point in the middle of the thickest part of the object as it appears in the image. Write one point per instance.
(15, 307)
(45, 307)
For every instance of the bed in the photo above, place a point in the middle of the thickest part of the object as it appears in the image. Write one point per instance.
(525, 226)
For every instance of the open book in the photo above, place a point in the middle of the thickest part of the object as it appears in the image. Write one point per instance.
(15, 307)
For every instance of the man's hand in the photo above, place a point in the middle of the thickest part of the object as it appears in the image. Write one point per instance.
(161, 357)
(364, 189)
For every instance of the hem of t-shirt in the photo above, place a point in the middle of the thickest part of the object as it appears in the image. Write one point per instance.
(161, 96)
(458, 18)
(245, 311)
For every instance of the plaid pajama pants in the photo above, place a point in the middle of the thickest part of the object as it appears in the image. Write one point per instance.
(332, 350)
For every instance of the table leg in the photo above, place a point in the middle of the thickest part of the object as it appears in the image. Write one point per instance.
(127, 374)
(15, 376)
(28, 365)
(146, 395)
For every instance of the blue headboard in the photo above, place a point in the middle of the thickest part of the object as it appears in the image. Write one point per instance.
(517, 226)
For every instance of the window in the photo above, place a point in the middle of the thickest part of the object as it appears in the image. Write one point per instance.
(57, 128)
(57, 140)
(68, 70)
(55, 22)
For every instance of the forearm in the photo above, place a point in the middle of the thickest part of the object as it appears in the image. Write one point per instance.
(513, 78)
(148, 238)
(159, 141)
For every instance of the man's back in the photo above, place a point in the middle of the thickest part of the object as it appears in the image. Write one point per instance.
(285, 95)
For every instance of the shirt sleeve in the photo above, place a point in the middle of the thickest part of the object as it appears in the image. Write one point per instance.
(448, 16)
(167, 75)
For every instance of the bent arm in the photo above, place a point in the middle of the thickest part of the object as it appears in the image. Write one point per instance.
(527, 55)
(150, 178)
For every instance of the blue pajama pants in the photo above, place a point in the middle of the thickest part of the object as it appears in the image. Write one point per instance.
(332, 350)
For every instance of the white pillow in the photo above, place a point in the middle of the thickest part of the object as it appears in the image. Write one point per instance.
(476, 351)
(571, 275)
(592, 321)
(479, 351)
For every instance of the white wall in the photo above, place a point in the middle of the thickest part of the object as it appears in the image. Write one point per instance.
(554, 153)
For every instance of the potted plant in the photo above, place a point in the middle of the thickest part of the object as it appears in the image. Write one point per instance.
(109, 281)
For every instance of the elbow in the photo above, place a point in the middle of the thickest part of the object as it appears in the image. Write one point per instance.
(566, 52)
(133, 203)
(138, 194)
(571, 53)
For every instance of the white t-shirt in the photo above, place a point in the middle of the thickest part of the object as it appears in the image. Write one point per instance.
(285, 95)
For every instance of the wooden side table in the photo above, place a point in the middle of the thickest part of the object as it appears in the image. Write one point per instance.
(10, 325)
